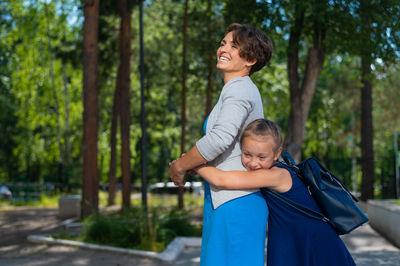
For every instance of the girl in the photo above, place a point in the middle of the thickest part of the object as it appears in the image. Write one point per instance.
(293, 239)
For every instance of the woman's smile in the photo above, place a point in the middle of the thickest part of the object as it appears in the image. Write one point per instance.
(223, 59)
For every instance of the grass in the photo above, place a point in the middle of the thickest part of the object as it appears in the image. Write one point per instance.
(45, 201)
(153, 200)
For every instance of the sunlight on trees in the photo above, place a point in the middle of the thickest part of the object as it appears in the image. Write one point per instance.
(41, 84)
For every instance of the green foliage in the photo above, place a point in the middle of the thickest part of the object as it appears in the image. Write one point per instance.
(36, 27)
(113, 231)
(36, 34)
(134, 229)
(176, 223)
(8, 119)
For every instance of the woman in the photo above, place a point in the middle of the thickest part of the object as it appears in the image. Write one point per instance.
(234, 223)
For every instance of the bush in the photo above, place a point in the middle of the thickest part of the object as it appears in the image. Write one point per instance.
(135, 229)
(176, 223)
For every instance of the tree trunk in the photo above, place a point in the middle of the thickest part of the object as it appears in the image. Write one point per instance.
(124, 84)
(301, 96)
(112, 179)
(367, 151)
(143, 149)
(90, 108)
(67, 128)
(210, 84)
(210, 65)
(183, 96)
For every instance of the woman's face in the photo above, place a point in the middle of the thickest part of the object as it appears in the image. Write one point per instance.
(258, 152)
(228, 60)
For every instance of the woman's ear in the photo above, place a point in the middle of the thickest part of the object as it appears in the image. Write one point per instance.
(251, 63)
(278, 154)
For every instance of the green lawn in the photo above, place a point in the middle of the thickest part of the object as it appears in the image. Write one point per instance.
(154, 200)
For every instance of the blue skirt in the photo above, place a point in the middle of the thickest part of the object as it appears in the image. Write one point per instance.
(235, 232)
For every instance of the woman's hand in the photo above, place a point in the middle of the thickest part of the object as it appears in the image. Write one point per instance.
(178, 167)
(177, 176)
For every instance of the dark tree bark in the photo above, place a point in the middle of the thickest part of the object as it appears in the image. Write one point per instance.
(90, 111)
(367, 150)
(143, 153)
(112, 179)
(210, 84)
(124, 81)
(301, 95)
(67, 130)
(210, 65)
(183, 96)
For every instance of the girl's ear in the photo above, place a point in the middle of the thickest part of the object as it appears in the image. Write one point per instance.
(278, 154)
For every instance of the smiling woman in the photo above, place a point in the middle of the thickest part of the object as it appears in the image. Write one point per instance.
(242, 52)
(229, 60)
(234, 223)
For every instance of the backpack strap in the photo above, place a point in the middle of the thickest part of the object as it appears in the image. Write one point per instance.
(297, 206)
(287, 160)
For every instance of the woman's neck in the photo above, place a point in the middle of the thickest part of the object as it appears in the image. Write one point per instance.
(227, 79)
(229, 76)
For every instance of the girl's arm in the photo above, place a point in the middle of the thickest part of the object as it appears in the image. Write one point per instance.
(276, 178)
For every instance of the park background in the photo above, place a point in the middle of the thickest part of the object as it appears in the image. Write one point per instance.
(75, 97)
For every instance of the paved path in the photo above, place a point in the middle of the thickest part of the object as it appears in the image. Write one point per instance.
(366, 246)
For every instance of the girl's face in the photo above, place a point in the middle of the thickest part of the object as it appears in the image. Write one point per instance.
(229, 61)
(258, 152)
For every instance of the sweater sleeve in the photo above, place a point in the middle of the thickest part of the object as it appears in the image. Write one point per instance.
(237, 103)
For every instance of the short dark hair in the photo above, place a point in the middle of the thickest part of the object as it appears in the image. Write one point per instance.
(264, 128)
(253, 45)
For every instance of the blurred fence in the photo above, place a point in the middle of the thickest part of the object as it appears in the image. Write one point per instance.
(27, 191)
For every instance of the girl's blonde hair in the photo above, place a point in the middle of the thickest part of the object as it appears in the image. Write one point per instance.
(264, 128)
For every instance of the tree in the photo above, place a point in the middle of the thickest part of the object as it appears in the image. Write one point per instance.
(367, 150)
(211, 27)
(123, 85)
(376, 19)
(183, 94)
(112, 178)
(90, 114)
(302, 92)
(143, 146)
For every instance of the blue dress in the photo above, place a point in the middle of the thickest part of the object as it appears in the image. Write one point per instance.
(234, 234)
(294, 239)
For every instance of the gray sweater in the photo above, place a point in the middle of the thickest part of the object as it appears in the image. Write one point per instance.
(238, 105)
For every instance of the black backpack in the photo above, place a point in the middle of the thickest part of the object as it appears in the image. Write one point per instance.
(333, 198)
